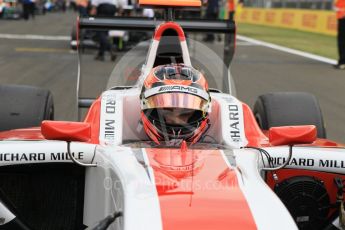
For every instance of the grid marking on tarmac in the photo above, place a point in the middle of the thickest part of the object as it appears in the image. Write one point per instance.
(42, 50)
(35, 37)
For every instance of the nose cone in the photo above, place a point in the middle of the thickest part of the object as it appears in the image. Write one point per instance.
(206, 197)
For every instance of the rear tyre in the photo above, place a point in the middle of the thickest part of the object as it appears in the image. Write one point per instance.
(24, 106)
(289, 108)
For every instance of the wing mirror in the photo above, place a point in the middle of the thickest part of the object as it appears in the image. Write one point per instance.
(66, 131)
(290, 135)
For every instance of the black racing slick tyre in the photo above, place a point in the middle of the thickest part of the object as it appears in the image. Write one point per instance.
(24, 106)
(289, 108)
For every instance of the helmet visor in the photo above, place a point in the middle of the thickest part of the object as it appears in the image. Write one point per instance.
(175, 123)
(176, 100)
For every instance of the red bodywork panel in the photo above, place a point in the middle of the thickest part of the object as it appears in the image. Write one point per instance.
(197, 190)
(291, 135)
(93, 118)
(253, 132)
(169, 25)
(66, 131)
(33, 133)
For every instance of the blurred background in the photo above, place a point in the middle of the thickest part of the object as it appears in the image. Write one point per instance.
(298, 4)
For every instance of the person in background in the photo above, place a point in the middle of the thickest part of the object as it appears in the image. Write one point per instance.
(340, 9)
(28, 9)
(82, 7)
(212, 10)
(232, 8)
(2, 8)
(149, 13)
(104, 8)
(73, 5)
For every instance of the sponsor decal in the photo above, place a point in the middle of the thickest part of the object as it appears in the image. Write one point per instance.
(309, 162)
(256, 16)
(270, 16)
(232, 122)
(64, 156)
(309, 20)
(22, 157)
(302, 19)
(110, 105)
(110, 118)
(178, 89)
(244, 15)
(234, 117)
(287, 18)
(332, 23)
(109, 129)
(109, 132)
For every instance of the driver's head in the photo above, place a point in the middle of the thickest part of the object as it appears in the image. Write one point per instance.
(175, 102)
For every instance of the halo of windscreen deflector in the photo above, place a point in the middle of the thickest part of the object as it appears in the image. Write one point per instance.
(172, 3)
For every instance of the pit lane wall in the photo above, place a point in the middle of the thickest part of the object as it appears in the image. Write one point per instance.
(317, 21)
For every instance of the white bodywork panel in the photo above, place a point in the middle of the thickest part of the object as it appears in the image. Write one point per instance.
(330, 160)
(268, 211)
(5, 215)
(120, 182)
(28, 152)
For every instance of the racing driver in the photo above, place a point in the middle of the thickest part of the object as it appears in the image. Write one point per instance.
(175, 101)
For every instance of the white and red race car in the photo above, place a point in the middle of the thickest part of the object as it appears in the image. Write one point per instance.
(270, 168)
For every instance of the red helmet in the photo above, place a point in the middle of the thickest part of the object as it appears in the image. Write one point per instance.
(175, 102)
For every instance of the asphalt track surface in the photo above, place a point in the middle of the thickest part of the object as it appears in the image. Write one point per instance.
(48, 62)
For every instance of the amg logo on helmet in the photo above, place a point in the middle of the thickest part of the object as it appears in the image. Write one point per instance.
(178, 88)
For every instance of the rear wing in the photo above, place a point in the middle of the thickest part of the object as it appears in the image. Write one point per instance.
(225, 27)
(138, 23)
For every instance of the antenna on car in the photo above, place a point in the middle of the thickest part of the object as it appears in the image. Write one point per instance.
(169, 14)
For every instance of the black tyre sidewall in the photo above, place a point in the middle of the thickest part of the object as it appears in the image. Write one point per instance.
(289, 108)
(24, 106)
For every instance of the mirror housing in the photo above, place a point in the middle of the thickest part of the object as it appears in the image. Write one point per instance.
(66, 130)
(290, 135)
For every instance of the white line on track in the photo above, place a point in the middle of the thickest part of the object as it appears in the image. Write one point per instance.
(244, 43)
(35, 37)
(288, 50)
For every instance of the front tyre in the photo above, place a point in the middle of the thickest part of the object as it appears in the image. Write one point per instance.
(24, 106)
(289, 108)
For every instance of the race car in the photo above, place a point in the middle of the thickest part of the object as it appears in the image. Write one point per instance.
(267, 168)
